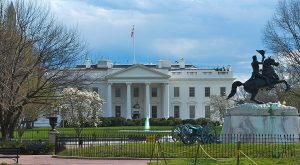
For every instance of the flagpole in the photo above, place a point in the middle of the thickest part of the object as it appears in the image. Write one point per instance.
(133, 44)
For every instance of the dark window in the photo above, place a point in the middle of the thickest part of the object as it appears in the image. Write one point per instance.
(192, 91)
(118, 111)
(222, 91)
(207, 111)
(176, 91)
(135, 92)
(154, 92)
(192, 111)
(176, 111)
(207, 91)
(154, 111)
(118, 92)
(95, 89)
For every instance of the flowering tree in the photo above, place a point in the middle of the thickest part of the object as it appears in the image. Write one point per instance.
(80, 107)
(219, 105)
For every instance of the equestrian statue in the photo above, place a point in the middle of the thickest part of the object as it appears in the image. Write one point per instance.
(265, 78)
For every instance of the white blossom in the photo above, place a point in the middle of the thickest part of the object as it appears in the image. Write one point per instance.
(79, 107)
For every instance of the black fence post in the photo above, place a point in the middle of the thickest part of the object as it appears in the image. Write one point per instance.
(197, 152)
(238, 152)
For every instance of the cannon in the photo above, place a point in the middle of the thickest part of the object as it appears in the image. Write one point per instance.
(190, 134)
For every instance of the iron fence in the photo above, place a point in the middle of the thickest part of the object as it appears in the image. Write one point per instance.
(158, 145)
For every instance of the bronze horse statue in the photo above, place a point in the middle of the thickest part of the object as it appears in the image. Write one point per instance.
(252, 86)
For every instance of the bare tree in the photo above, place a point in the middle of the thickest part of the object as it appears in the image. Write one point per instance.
(37, 54)
(282, 37)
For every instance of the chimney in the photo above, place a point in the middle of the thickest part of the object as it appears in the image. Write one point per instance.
(181, 63)
(88, 63)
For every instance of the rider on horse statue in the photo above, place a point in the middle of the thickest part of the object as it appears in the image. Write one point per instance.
(267, 79)
(256, 71)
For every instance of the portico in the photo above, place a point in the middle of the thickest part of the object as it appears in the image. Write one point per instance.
(138, 92)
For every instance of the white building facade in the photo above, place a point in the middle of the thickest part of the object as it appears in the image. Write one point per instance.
(159, 90)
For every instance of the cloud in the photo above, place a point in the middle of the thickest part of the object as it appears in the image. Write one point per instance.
(201, 31)
(242, 77)
(175, 47)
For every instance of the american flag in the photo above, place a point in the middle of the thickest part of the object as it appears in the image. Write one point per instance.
(132, 31)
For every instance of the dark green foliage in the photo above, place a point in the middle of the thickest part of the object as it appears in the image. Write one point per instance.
(171, 121)
(158, 122)
(105, 122)
(202, 121)
(174, 121)
(3, 163)
(118, 121)
(33, 147)
(189, 121)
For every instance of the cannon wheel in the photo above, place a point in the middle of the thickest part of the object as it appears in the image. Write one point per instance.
(186, 134)
(209, 133)
(176, 133)
(182, 132)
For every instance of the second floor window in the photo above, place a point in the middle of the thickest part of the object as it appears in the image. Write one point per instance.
(176, 91)
(154, 92)
(192, 91)
(135, 92)
(118, 92)
(207, 91)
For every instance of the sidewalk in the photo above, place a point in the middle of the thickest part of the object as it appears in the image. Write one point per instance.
(48, 160)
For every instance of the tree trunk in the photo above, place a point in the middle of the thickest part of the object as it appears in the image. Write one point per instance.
(4, 135)
(9, 122)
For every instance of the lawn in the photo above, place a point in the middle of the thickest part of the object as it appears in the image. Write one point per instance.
(180, 150)
(42, 133)
(230, 161)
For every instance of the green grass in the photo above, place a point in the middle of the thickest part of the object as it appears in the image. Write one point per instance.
(230, 161)
(180, 150)
(42, 133)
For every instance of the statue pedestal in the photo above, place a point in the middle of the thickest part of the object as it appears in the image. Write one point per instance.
(52, 136)
(269, 119)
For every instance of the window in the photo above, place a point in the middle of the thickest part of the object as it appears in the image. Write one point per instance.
(207, 111)
(207, 91)
(95, 89)
(176, 91)
(154, 111)
(136, 92)
(118, 111)
(154, 92)
(222, 91)
(192, 91)
(192, 111)
(118, 92)
(176, 111)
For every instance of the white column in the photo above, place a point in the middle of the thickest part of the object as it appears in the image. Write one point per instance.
(109, 101)
(166, 101)
(128, 114)
(147, 102)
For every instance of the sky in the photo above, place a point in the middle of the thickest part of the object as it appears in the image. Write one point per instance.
(205, 33)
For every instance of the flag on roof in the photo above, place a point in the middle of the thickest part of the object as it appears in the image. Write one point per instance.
(132, 31)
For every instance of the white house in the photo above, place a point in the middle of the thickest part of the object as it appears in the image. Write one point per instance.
(159, 90)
